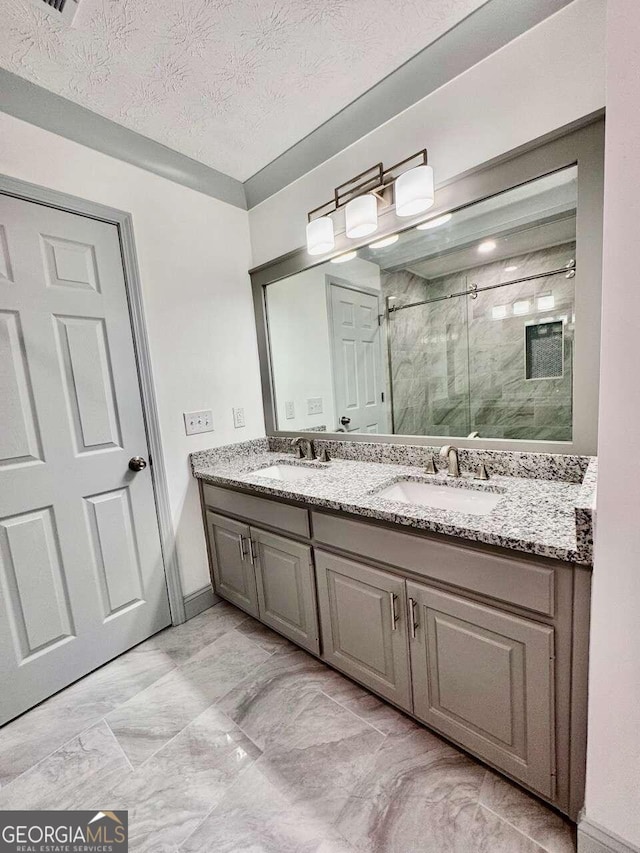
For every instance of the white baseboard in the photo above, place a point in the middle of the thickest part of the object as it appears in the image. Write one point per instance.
(595, 839)
(199, 600)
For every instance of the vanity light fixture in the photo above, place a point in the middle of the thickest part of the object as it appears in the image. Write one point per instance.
(409, 184)
(487, 246)
(434, 223)
(320, 236)
(341, 259)
(361, 216)
(415, 191)
(386, 241)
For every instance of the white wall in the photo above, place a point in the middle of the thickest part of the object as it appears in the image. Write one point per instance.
(301, 339)
(194, 255)
(613, 761)
(548, 77)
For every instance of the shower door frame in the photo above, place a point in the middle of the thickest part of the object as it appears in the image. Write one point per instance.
(581, 144)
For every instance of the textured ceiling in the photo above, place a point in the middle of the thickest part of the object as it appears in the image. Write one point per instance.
(231, 83)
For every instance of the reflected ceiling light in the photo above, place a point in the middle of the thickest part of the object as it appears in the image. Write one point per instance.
(499, 312)
(521, 307)
(320, 236)
(361, 216)
(341, 259)
(414, 191)
(435, 223)
(386, 241)
(409, 184)
(546, 302)
(487, 246)
(511, 268)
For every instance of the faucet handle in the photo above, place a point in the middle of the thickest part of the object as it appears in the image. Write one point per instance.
(324, 455)
(482, 473)
(430, 466)
(296, 444)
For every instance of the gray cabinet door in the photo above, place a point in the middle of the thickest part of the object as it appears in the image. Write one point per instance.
(364, 626)
(233, 571)
(286, 588)
(485, 678)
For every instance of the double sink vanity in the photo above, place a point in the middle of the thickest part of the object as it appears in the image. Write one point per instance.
(463, 600)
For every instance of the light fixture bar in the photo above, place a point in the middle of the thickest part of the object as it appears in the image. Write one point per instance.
(376, 180)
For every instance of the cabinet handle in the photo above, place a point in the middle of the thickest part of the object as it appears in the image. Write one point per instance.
(412, 618)
(241, 547)
(252, 554)
(394, 616)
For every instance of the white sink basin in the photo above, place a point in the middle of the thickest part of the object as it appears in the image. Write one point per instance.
(471, 501)
(289, 473)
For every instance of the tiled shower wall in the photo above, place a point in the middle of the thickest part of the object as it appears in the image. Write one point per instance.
(458, 366)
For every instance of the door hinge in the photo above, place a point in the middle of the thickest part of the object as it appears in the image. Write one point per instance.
(382, 396)
(150, 460)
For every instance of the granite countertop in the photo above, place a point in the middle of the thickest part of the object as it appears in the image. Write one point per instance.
(548, 517)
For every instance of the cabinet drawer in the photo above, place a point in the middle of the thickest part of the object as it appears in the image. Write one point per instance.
(518, 581)
(486, 679)
(293, 519)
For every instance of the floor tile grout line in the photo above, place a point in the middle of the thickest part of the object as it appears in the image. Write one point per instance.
(513, 826)
(183, 729)
(54, 751)
(342, 705)
(223, 797)
(120, 747)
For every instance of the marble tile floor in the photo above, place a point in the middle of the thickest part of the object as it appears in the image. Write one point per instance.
(220, 736)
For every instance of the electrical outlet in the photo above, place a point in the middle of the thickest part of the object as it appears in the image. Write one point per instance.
(289, 410)
(314, 406)
(238, 417)
(195, 422)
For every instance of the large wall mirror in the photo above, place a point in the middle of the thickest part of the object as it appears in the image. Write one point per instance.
(470, 324)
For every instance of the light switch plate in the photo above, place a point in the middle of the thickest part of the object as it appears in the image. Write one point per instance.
(238, 417)
(289, 410)
(314, 406)
(195, 422)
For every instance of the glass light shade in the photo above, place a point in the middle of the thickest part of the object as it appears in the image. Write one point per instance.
(361, 216)
(414, 191)
(320, 237)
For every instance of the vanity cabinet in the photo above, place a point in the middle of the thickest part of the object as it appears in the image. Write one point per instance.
(234, 577)
(364, 627)
(286, 588)
(487, 647)
(485, 678)
(268, 576)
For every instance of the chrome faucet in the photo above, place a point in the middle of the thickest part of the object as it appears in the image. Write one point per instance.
(309, 452)
(450, 453)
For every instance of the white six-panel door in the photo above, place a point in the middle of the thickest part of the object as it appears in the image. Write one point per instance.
(357, 361)
(81, 571)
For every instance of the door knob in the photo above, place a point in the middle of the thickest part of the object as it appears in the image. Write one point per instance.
(344, 420)
(137, 463)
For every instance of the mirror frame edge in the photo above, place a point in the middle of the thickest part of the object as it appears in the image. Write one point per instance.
(581, 143)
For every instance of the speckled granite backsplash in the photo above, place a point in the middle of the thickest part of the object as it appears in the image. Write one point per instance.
(538, 466)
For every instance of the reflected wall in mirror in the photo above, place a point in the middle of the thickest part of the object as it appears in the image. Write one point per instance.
(459, 326)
